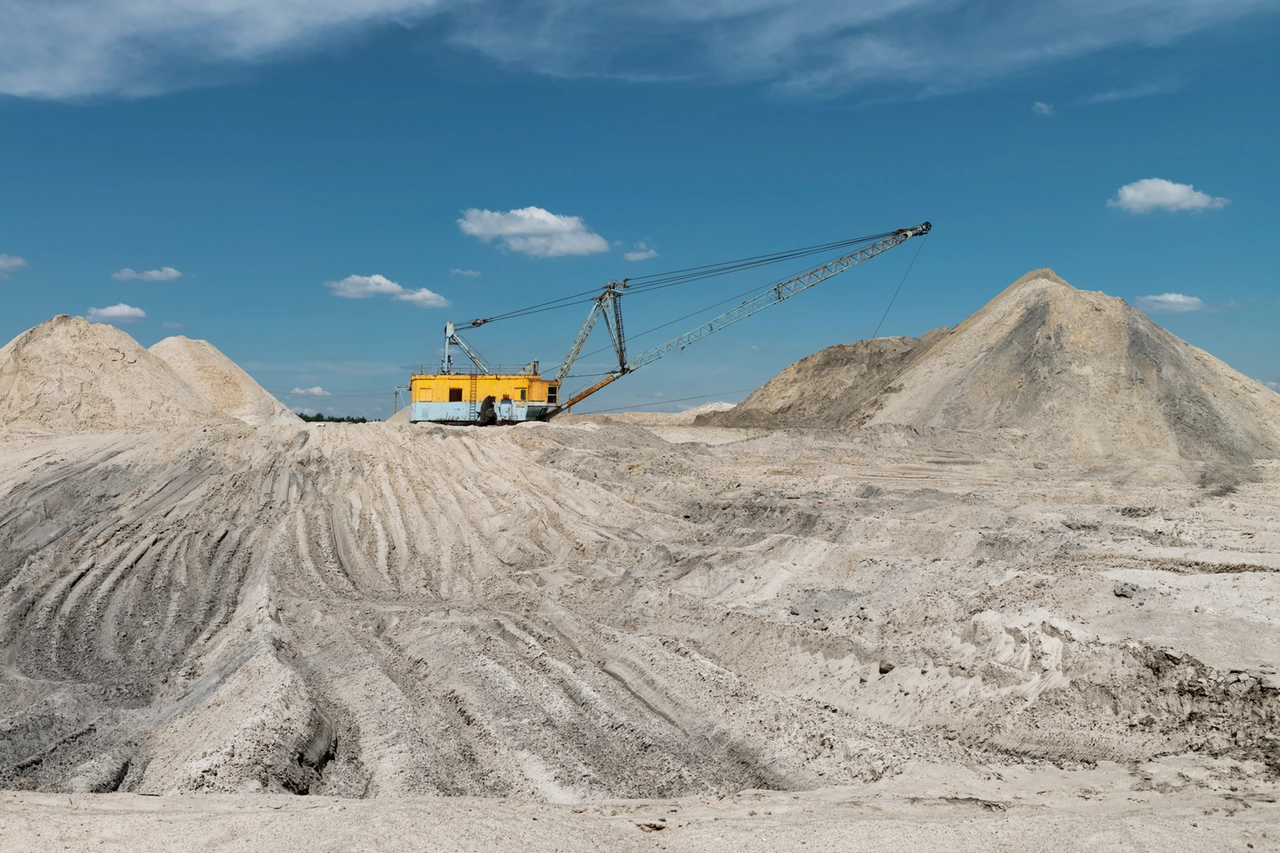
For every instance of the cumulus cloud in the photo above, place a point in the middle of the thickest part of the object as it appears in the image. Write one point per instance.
(64, 49)
(162, 274)
(364, 286)
(1040, 108)
(643, 251)
(533, 231)
(119, 313)
(169, 324)
(9, 263)
(1170, 303)
(1151, 194)
(466, 273)
(315, 391)
(423, 298)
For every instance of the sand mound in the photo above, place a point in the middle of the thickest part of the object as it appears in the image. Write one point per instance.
(1061, 370)
(202, 366)
(834, 387)
(68, 375)
(644, 417)
(710, 408)
(1086, 374)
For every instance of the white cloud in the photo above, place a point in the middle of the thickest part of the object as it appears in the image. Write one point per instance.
(67, 49)
(1142, 90)
(824, 47)
(423, 298)
(364, 286)
(1170, 303)
(1040, 108)
(643, 252)
(533, 231)
(317, 391)
(1151, 194)
(120, 313)
(1274, 386)
(162, 274)
(9, 263)
(61, 49)
(169, 324)
(467, 273)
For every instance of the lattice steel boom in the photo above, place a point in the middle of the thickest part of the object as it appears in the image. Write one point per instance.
(772, 296)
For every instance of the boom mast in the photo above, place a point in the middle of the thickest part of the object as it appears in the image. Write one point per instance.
(784, 290)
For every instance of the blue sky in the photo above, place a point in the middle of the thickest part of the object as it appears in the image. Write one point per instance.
(306, 185)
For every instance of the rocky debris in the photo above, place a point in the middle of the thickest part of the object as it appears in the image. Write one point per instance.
(1125, 589)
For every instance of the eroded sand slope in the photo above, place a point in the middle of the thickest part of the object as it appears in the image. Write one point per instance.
(575, 612)
(839, 386)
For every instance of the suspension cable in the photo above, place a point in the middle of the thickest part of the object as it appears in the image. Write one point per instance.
(658, 281)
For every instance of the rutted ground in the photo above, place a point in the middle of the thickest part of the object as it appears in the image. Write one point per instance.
(576, 612)
(1037, 564)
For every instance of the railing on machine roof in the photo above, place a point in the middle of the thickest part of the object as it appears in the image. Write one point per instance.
(526, 369)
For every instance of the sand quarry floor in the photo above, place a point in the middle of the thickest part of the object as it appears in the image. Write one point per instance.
(634, 634)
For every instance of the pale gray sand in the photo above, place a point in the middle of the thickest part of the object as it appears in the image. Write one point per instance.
(1102, 809)
(913, 635)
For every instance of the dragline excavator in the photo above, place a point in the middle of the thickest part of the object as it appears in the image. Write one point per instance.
(488, 394)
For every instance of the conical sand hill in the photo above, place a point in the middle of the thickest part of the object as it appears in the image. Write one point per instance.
(202, 366)
(1067, 371)
(68, 375)
(1085, 374)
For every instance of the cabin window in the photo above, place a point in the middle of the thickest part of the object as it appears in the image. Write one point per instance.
(552, 392)
(455, 395)
(524, 395)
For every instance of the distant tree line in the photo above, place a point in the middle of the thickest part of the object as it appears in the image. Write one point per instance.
(330, 419)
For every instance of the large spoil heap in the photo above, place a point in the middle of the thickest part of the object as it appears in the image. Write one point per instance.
(1068, 372)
